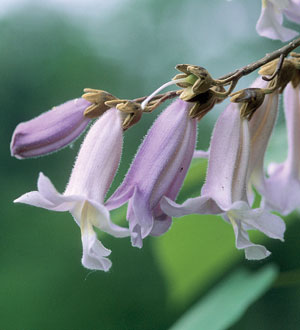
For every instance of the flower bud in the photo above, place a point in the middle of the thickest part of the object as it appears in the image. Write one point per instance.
(50, 131)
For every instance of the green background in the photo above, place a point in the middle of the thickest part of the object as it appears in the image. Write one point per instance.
(47, 57)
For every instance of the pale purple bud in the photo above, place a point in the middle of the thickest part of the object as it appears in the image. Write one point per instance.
(50, 131)
(158, 170)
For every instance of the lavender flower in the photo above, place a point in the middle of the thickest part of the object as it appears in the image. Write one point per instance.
(93, 172)
(281, 190)
(261, 127)
(270, 21)
(158, 170)
(50, 131)
(224, 191)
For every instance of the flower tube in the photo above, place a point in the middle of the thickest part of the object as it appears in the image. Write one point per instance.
(92, 175)
(158, 170)
(50, 131)
(261, 127)
(224, 191)
(282, 187)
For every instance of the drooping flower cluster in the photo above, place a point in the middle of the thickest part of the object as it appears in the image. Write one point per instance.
(154, 179)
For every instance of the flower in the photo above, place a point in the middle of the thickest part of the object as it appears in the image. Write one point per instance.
(270, 21)
(260, 127)
(224, 191)
(50, 131)
(158, 170)
(281, 190)
(93, 172)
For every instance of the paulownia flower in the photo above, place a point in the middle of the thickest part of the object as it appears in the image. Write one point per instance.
(51, 130)
(93, 172)
(270, 21)
(224, 191)
(158, 170)
(282, 188)
(261, 127)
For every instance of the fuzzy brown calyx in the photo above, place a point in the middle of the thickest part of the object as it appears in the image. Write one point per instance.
(250, 98)
(204, 102)
(194, 80)
(131, 111)
(296, 60)
(286, 74)
(98, 98)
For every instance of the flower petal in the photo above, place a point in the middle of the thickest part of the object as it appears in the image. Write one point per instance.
(286, 176)
(98, 158)
(261, 127)
(252, 251)
(197, 205)
(159, 168)
(270, 22)
(228, 159)
(161, 224)
(94, 252)
(260, 219)
(47, 197)
(101, 219)
(292, 12)
(140, 217)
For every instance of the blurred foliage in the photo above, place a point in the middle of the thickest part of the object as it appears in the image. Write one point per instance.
(214, 313)
(46, 59)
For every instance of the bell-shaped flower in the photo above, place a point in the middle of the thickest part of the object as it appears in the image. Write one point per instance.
(158, 170)
(282, 187)
(93, 172)
(224, 191)
(260, 127)
(270, 21)
(51, 130)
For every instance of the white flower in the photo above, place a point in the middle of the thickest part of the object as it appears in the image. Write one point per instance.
(92, 175)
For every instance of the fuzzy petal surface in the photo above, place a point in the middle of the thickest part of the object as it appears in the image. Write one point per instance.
(285, 177)
(224, 191)
(158, 169)
(91, 177)
(261, 127)
(50, 131)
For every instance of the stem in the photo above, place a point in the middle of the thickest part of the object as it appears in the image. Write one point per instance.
(285, 50)
(230, 78)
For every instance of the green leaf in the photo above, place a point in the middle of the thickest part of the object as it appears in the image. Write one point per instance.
(228, 301)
